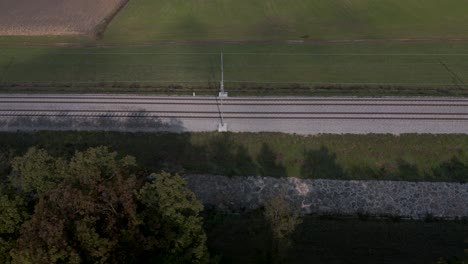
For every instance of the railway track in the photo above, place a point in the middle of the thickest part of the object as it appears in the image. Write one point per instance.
(240, 101)
(235, 115)
(208, 98)
(305, 115)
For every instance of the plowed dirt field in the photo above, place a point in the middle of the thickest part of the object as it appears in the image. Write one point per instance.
(54, 17)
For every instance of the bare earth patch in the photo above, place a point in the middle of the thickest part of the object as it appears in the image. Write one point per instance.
(54, 17)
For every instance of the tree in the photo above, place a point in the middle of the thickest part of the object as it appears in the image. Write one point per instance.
(86, 216)
(12, 215)
(37, 172)
(94, 209)
(172, 214)
(283, 219)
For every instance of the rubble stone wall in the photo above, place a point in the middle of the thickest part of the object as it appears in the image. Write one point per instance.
(415, 200)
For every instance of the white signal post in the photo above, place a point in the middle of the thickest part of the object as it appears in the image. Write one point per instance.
(222, 127)
(222, 93)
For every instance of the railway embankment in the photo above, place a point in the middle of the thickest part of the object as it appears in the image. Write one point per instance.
(396, 199)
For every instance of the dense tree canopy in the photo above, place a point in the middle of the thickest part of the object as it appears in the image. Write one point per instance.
(97, 208)
(12, 215)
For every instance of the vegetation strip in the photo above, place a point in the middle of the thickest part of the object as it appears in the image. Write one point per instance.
(408, 157)
(127, 215)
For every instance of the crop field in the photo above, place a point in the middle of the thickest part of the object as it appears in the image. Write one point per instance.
(296, 47)
(238, 20)
(54, 17)
(366, 69)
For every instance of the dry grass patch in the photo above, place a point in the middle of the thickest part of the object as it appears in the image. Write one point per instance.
(55, 17)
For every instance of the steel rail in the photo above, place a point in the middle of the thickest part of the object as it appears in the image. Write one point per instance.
(229, 112)
(226, 104)
(244, 117)
(275, 99)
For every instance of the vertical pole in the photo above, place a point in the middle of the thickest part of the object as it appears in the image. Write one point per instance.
(222, 127)
(221, 92)
(222, 74)
(221, 112)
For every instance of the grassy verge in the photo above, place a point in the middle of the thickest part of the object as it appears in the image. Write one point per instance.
(250, 69)
(385, 157)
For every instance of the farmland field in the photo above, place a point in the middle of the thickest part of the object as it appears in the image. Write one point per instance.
(53, 17)
(364, 69)
(311, 47)
(238, 20)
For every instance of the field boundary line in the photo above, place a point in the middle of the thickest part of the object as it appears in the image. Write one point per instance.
(112, 44)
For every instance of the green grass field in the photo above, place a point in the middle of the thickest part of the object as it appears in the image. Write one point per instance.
(385, 157)
(237, 20)
(366, 69)
(271, 47)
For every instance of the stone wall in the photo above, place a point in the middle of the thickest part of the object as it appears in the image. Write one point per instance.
(332, 197)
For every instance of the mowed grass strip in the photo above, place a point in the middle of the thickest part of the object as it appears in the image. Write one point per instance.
(408, 157)
(262, 53)
(257, 69)
(238, 20)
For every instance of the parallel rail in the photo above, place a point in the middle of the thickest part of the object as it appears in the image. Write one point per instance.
(44, 103)
(226, 103)
(239, 115)
(207, 98)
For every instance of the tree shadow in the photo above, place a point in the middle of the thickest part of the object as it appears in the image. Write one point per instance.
(406, 171)
(163, 68)
(137, 121)
(321, 164)
(357, 172)
(269, 163)
(156, 151)
(451, 170)
(221, 155)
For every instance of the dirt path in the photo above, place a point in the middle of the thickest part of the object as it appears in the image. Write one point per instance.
(56, 17)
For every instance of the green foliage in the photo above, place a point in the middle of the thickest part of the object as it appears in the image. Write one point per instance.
(99, 163)
(173, 212)
(12, 215)
(5, 247)
(36, 171)
(283, 218)
(83, 218)
(94, 209)
(5, 163)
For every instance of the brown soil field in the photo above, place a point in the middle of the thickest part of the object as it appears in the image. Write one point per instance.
(55, 17)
